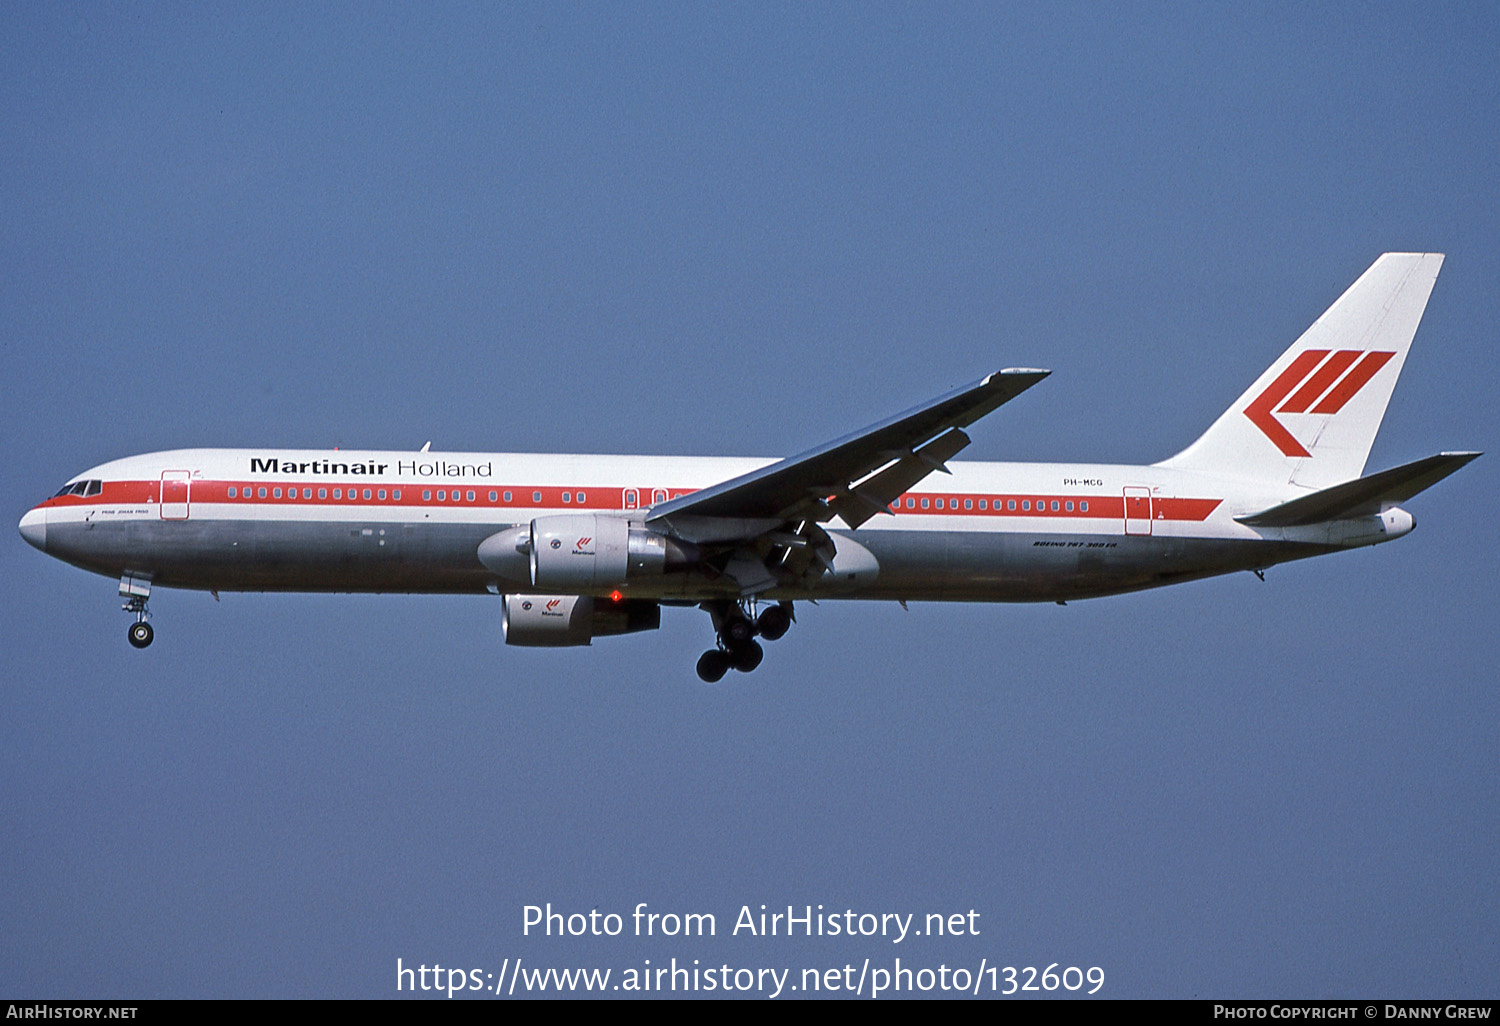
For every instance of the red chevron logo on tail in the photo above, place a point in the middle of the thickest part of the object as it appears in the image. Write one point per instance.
(1329, 380)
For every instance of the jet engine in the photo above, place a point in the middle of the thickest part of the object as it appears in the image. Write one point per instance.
(558, 621)
(585, 553)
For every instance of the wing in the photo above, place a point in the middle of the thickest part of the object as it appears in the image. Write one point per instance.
(854, 478)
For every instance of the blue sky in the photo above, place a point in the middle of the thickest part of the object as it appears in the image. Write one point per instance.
(742, 230)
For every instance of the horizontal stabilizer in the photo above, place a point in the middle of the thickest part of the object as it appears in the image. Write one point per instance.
(1363, 496)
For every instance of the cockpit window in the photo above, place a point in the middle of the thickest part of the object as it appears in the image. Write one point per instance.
(84, 488)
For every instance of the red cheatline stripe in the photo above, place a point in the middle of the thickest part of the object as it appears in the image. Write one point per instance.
(1353, 382)
(1100, 507)
(1259, 410)
(1319, 382)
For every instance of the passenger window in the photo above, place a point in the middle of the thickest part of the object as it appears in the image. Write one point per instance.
(262, 493)
(380, 495)
(1083, 507)
(507, 496)
(492, 496)
(322, 493)
(580, 496)
(567, 496)
(338, 493)
(1011, 504)
(1070, 507)
(469, 495)
(1026, 505)
(536, 496)
(969, 504)
(232, 492)
(307, 493)
(396, 495)
(911, 503)
(275, 493)
(1054, 505)
(367, 494)
(443, 496)
(924, 503)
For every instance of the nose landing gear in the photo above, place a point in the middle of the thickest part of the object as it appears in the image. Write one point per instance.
(135, 589)
(737, 628)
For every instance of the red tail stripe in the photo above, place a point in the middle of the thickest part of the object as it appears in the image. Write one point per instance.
(1319, 382)
(1363, 371)
(1259, 410)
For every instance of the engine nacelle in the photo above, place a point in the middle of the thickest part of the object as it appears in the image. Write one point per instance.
(558, 621)
(586, 553)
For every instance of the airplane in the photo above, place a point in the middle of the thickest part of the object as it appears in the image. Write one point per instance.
(580, 547)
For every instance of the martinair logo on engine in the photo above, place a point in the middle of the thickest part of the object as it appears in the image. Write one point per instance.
(1328, 380)
(551, 609)
(583, 547)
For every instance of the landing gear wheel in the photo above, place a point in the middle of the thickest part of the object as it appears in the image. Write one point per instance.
(141, 634)
(746, 657)
(712, 665)
(774, 622)
(738, 631)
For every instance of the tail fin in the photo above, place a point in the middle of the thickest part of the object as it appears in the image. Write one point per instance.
(1311, 418)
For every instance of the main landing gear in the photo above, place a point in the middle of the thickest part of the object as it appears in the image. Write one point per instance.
(136, 590)
(737, 627)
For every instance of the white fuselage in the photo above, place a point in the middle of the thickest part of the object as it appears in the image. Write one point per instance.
(320, 520)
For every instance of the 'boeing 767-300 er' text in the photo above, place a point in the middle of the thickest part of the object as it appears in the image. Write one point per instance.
(586, 546)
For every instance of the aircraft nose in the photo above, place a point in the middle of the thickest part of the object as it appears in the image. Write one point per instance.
(34, 528)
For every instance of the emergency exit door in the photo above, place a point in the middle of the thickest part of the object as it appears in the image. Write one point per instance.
(1137, 511)
(175, 485)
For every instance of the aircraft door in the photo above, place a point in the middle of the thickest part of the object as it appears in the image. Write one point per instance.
(1138, 511)
(632, 499)
(175, 485)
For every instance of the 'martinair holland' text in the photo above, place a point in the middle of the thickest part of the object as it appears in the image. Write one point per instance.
(435, 468)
